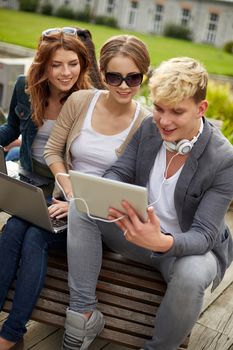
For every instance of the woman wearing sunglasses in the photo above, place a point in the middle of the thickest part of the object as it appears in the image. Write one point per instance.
(59, 68)
(94, 127)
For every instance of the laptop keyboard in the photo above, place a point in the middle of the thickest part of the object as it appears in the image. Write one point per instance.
(27, 180)
(58, 222)
(59, 225)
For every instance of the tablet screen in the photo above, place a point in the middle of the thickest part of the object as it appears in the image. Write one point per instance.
(101, 193)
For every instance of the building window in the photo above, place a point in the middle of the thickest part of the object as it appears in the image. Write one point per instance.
(158, 19)
(185, 17)
(133, 13)
(110, 6)
(212, 28)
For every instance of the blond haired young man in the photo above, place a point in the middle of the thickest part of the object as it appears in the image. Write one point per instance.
(187, 166)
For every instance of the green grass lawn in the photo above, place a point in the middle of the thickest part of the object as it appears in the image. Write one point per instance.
(22, 28)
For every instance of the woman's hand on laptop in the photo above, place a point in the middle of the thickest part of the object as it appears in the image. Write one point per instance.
(144, 234)
(58, 209)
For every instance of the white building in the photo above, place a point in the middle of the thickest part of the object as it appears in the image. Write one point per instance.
(210, 21)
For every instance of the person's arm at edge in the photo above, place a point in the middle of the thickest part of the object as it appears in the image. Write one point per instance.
(10, 130)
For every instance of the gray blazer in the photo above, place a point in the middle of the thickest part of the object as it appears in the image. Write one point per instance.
(203, 191)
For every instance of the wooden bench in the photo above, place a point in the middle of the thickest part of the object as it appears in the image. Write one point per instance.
(129, 295)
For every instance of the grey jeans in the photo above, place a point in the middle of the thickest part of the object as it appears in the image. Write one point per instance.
(187, 277)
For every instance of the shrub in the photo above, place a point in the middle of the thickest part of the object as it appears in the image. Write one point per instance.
(228, 47)
(177, 31)
(221, 106)
(83, 16)
(143, 96)
(46, 9)
(28, 5)
(64, 11)
(107, 21)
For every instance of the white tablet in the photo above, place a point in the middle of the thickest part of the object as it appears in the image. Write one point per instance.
(101, 193)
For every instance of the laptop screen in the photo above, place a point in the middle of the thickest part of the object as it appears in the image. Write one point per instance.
(24, 201)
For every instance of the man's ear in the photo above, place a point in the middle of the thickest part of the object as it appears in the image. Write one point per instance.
(202, 108)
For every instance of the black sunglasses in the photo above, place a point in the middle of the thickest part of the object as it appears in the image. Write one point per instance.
(116, 79)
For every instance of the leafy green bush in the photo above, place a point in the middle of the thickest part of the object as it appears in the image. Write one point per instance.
(107, 21)
(83, 16)
(46, 9)
(228, 47)
(173, 30)
(221, 106)
(64, 11)
(28, 5)
(143, 96)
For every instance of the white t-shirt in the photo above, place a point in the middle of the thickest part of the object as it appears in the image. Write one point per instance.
(161, 191)
(92, 152)
(41, 139)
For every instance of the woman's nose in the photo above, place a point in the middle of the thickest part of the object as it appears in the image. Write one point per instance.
(65, 70)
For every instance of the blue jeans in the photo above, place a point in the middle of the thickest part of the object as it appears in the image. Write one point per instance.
(187, 277)
(23, 255)
(13, 154)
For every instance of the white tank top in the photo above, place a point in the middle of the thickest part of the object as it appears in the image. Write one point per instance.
(41, 139)
(164, 206)
(92, 152)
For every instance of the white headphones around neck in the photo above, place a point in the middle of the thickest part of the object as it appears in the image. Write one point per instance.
(183, 146)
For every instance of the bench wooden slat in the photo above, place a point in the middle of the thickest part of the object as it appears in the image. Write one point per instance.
(131, 269)
(131, 281)
(133, 294)
(50, 294)
(128, 295)
(126, 303)
(127, 315)
(128, 327)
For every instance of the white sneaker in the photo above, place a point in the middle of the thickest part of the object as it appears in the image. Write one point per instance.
(80, 332)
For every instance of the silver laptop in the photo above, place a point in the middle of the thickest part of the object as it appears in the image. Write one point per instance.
(13, 169)
(3, 168)
(101, 193)
(28, 203)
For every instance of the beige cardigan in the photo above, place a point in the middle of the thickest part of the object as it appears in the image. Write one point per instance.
(69, 123)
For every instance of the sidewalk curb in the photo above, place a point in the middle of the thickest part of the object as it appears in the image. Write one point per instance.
(16, 50)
